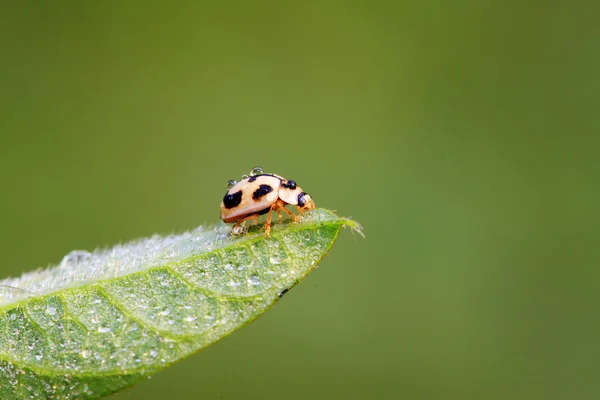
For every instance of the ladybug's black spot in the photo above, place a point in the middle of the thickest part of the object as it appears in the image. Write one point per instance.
(261, 191)
(232, 200)
(289, 185)
(301, 199)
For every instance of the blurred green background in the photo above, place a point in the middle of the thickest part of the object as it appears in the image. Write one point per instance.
(463, 135)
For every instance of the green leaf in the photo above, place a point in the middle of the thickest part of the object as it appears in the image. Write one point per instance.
(100, 322)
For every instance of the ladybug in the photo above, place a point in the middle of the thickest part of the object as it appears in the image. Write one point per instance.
(261, 193)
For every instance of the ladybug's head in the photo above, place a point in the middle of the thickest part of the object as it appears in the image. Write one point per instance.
(305, 202)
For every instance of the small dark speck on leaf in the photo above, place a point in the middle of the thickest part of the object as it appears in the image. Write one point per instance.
(283, 292)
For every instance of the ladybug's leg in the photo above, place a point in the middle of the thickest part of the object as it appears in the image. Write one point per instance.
(289, 212)
(246, 218)
(277, 206)
(268, 224)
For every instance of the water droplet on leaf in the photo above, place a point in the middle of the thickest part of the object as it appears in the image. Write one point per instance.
(75, 257)
(275, 260)
(254, 281)
(103, 329)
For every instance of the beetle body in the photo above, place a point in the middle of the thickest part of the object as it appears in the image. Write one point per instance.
(259, 194)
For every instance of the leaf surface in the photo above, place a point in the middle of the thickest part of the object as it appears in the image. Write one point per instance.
(100, 322)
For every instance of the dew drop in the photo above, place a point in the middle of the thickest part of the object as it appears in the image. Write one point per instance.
(230, 184)
(75, 257)
(256, 171)
(190, 318)
(275, 260)
(51, 310)
(254, 281)
(86, 354)
(244, 176)
(103, 329)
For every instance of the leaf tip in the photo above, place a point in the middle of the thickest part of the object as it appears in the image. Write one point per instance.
(324, 214)
(355, 226)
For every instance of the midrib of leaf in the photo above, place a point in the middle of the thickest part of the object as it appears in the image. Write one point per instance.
(97, 337)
